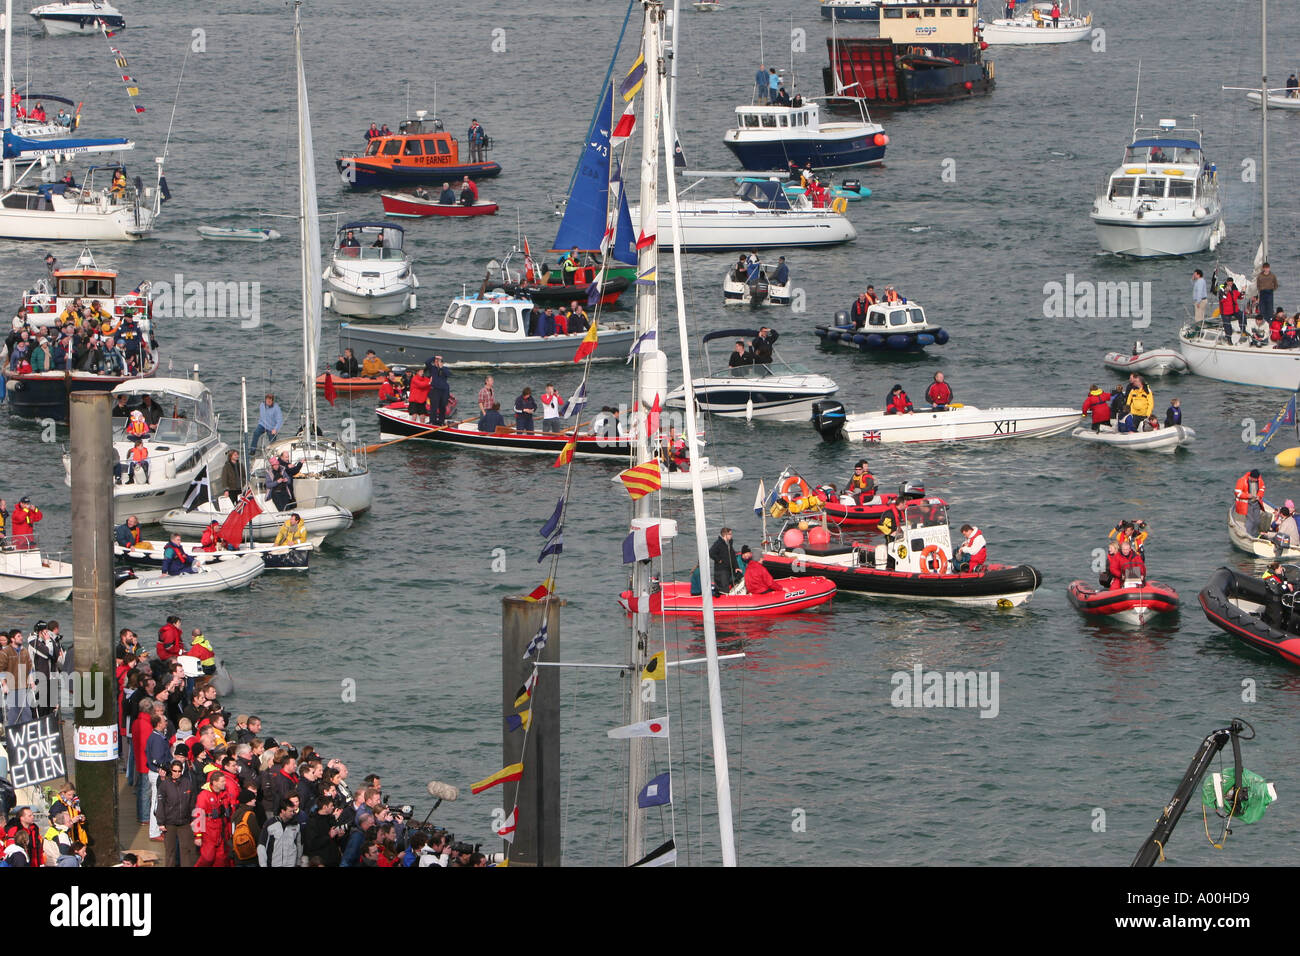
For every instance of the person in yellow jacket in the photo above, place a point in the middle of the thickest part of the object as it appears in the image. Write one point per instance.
(293, 531)
(373, 366)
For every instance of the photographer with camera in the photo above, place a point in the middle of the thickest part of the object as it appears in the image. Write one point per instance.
(323, 835)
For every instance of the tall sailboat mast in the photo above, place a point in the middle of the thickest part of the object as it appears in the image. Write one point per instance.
(652, 381)
(309, 232)
(9, 84)
(1263, 105)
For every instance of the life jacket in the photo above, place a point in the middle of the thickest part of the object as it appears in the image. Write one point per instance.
(139, 453)
(1242, 493)
(891, 295)
(1098, 403)
(211, 539)
(137, 427)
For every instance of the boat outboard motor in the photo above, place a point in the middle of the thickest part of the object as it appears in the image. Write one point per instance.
(828, 418)
(851, 185)
(758, 292)
(911, 489)
(842, 319)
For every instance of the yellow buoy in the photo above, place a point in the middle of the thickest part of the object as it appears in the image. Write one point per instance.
(1289, 458)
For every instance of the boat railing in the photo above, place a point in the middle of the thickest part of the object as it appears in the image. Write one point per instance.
(23, 548)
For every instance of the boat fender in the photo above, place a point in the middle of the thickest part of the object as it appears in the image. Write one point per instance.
(901, 341)
(924, 338)
(818, 537)
(882, 557)
(826, 333)
(793, 538)
(933, 559)
(847, 501)
(860, 341)
(941, 336)
(875, 341)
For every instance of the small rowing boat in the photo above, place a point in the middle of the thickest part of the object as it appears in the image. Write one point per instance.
(235, 234)
(416, 207)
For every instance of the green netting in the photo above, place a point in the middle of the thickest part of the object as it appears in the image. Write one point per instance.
(1257, 799)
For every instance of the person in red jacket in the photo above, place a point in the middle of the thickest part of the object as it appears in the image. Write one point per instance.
(757, 578)
(897, 403)
(468, 192)
(1230, 308)
(1125, 562)
(22, 533)
(939, 394)
(169, 639)
(212, 821)
(1249, 488)
(1098, 405)
(141, 729)
(417, 400)
(27, 824)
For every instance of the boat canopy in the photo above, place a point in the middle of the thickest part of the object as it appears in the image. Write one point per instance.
(391, 233)
(17, 147)
(1166, 144)
(925, 513)
(196, 394)
(765, 195)
(731, 334)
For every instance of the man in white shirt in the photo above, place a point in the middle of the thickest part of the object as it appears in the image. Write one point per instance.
(550, 409)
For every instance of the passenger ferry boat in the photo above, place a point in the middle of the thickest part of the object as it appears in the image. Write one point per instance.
(927, 52)
(421, 152)
(490, 329)
(1163, 200)
(776, 137)
(45, 394)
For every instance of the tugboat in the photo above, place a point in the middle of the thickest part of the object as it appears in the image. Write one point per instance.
(771, 136)
(45, 394)
(912, 563)
(927, 52)
(420, 153)
(890, 327)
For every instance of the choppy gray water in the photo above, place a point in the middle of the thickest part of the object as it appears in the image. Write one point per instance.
(406, 604)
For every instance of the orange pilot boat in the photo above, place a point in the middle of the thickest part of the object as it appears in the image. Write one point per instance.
(421, 152)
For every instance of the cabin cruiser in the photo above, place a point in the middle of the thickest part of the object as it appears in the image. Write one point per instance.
(760, 216)
(369, 275)
(421, 152)
(1035, 25)
(78, 18)
(486, 329)
(771, 136)
(1163, 200)
(181, 442)
(44, 394)
(899, 326)
(773, 391)
(941, 423)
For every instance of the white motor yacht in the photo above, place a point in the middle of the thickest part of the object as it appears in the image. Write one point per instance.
(78, 18)
(369, 275)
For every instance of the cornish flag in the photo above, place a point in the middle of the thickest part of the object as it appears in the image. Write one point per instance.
(642, 545)
(200, 490)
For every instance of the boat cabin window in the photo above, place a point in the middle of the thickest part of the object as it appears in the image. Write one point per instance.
(508, 320)
(485, 319)
(1181, 188)
(526, 317)
(929, 13)
(927, 513)
(963, 13)
(71, 287)
(1121, 187)
(1151, 188)
(898, 317)
(769, 120)
(917, 316)
(457, 314)
(413, 148)
(877, 319)
(748, 120)
(373, 148)
(781, 120)
(892, 13)
(392, 147)
(443, 148)
(945, 13)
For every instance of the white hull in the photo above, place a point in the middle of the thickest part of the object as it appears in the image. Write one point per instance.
(232, 234)
(1158, 241)
(1027, 30)
(354, 493)
(723, 398)
(1277, 102)
(1208, 355)
(57, 226)
(152, 551)
(372, 304)
(737, 293)
(217, 576)
(1166, 440)
(711, 476)
(1152, 362)
(1259, 547)
(321, 521)
(729, 224)
(330, 473)
(26, 574)
(967, 423)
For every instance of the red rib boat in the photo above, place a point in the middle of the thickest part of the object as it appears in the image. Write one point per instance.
(791, 595)
(1135, 604)
(411, 206)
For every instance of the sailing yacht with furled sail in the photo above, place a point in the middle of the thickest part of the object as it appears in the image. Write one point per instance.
(331, 470)
(107, 204)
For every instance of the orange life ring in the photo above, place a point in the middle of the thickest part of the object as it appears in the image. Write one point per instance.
(934, 560)
(794, 482)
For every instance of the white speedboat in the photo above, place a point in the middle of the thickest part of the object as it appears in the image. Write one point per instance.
(760, 216)
(1278, 99)
(770, 136)
(1163, 200)
(180, 449)
(224, 575)
(738, 290)
(78, 18)
(1146, 361)
(954, 423)
(321, 517)
(284, 557)
(774, 392)
(237, 233)
(369, 276)
(29, 574)
(1207, 351)
(1167, 440)
(1260, 547)
(1035, 26)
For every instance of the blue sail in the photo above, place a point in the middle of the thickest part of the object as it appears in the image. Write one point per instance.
(583, 225)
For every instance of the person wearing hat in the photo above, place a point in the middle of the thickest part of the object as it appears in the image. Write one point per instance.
(279, 479)
(862, 484)
(211, 540)
(25, 517)
(47, 655)
(897, 402)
